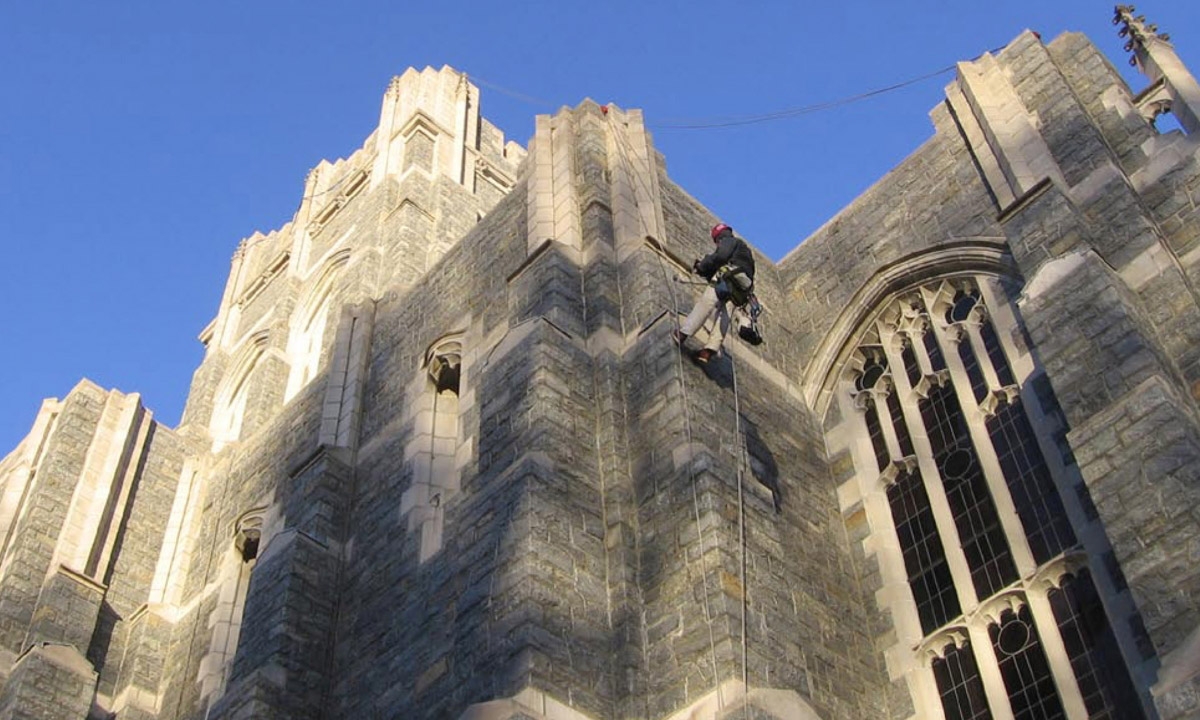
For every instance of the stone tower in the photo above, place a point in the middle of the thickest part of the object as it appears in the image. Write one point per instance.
(442, 460)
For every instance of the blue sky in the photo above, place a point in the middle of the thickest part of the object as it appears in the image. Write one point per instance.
(140, 141)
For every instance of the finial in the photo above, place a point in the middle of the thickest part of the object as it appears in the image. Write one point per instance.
(1139, 32)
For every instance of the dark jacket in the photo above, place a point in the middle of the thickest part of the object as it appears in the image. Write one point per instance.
(729, 250)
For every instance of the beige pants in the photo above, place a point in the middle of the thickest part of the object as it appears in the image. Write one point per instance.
(706, 308)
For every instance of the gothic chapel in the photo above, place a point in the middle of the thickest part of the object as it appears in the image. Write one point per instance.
(441, 459)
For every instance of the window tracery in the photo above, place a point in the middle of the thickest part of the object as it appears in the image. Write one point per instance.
(991, 559)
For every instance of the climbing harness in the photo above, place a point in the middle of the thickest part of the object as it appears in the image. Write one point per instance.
(747, 315)
(732, 284)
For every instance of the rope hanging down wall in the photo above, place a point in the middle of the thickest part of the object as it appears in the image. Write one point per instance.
(624, 152)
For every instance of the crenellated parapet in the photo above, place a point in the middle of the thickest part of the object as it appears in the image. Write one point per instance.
(442, 458)
(367, 224)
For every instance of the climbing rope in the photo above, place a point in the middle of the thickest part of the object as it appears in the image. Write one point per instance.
(624, 153)
(706, 123)
(623, 150)
(741, 457)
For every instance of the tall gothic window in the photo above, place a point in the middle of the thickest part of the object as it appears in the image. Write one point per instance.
(1002, 616)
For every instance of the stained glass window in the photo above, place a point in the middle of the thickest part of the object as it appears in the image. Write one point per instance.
(967, 355)
(924, 558)
(979, 528)
(876, 431)
(995, 353)
(969, 458)
(959, 685)
(902, 436)
(1033, 493)
(1103, 679)
(1027, 676)
(912, 367)
(933, 351)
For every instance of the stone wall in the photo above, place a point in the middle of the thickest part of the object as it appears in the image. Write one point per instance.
(600, 528)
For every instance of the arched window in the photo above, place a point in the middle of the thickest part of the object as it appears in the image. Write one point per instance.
(1001, 616)
(229, 411)
(306, 339)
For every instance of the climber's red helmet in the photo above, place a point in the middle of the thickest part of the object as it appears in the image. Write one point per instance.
(718, 229)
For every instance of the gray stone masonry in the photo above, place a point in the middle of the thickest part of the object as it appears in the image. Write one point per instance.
(48, 681)
(298, 572)
(132, 570)
(602, 529)
(32, 543)
(80, 587)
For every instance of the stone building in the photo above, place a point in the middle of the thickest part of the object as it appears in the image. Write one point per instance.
(442, 460)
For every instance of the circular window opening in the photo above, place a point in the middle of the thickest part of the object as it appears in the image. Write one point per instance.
(962, 307)
(957, 464)
(1013, 637)
(870, 377)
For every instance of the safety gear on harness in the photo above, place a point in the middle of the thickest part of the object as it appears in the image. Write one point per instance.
(751, 331)
(732, 284)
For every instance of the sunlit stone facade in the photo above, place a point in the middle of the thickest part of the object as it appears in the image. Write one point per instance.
(442, 460)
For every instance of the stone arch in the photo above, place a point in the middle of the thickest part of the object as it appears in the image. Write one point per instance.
(988, 255)
(443, 362)
(232, 394)
(970, 505)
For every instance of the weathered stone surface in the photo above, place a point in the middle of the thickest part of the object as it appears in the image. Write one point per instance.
(599, 529)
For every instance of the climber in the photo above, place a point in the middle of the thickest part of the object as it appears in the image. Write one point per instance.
(729, 269)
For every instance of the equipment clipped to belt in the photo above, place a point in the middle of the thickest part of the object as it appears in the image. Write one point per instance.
(751, 331)
(737, 287)
(733, 285)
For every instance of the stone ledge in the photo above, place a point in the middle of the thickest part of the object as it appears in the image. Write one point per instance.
(730, 701)
(727, 702)
(527, 703)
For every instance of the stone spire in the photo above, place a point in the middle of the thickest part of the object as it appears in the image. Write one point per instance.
(1139, 32)
(1172, 89)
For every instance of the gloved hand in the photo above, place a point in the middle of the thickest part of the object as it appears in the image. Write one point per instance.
(696, 266)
